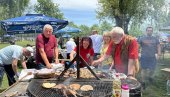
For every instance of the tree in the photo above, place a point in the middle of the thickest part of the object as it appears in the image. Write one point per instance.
(12, 8)
(85, 30)
(49, 8)
(124, 11)
(105, 26)
(94, 27)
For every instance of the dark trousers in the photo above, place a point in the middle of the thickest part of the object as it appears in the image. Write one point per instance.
(31, 63)
(10, 74)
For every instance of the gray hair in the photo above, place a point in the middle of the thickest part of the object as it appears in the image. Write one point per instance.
(118, 31)
(48, 26)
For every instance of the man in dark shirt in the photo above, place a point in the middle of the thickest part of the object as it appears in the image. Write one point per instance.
(150, 48)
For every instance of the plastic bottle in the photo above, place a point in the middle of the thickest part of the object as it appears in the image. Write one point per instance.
(117, 86)
(125, 90)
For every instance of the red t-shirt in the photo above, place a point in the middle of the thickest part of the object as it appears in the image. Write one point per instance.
(132, 54)
(48, 44)
(85, 53)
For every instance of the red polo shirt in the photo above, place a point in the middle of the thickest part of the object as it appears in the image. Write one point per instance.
(133, 54)
(48, 44)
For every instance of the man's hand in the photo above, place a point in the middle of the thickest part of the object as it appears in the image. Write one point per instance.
(49, 66)
(17, 76)
(56, 61)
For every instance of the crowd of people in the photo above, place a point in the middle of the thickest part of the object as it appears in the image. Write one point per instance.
(112, 50)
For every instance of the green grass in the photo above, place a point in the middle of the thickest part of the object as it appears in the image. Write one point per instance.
(24, 43)
(21, 43)
(158, 87)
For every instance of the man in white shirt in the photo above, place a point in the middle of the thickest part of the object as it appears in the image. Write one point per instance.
(9, 57)
(97, 43)
(70, 45)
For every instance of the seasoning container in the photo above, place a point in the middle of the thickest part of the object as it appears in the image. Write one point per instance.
(134, 87)
(125, 90)
(117, 86)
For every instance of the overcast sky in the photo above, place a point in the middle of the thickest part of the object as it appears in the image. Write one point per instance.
(78, 11)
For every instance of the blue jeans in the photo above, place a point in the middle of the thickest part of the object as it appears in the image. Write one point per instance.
(40, 66)
(148, 63)
(72, 66)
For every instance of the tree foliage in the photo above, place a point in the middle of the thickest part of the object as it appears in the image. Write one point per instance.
(85, 30)
(49, 8)
(12, 8)
(124, 11)
(105, 26)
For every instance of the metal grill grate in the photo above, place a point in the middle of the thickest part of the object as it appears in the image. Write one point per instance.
(101, 89)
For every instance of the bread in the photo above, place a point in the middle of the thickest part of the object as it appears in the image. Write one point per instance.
(48, 85)
(86, 88)
(75, 86)
(85, 73)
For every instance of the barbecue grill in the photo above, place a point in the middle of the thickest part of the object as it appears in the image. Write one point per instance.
(100, 88)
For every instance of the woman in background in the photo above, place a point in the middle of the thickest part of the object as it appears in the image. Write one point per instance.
(107, 63)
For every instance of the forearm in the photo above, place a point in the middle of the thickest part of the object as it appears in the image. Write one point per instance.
(56, 52)
(72, 55)
(103, 58)
(131, 67)
(14, 66)
(91, 60)
(24, 65)
(44, 57)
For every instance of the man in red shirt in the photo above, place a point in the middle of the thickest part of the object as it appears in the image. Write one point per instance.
(124, 50)
(46, 48)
